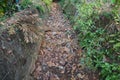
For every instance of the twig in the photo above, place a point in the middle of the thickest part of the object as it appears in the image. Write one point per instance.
(5, 76)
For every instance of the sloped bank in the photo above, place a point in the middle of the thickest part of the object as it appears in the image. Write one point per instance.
(20, 38)
(98, 26)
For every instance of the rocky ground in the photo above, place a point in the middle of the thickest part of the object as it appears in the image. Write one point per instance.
(60, 54)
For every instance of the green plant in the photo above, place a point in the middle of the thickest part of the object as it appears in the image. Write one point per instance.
(25, 4)
(47, 2)
(98, 36)
(110, 71)
(6, 7)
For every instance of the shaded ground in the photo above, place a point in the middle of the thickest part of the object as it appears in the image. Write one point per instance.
(59, 53)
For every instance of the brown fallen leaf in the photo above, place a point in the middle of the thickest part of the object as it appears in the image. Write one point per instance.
(50, 64)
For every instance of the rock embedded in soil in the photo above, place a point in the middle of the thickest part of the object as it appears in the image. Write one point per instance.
(20, 38)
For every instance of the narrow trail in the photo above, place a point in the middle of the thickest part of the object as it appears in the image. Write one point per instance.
(59, 54)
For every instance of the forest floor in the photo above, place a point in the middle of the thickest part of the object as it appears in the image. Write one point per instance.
(59, 56)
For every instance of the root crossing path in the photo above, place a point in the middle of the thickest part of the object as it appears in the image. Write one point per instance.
(59, 54)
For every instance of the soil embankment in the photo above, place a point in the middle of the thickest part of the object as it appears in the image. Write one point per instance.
(20, 38)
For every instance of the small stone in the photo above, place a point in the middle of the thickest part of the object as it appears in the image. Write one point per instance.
(9, 51)
(80, 75)
(61, 67)
(62, 62)
(8, 39)
(3, 47)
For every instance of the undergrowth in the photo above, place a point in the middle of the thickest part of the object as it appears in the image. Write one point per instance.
(47, 2)
(99, 35)
(8, 8)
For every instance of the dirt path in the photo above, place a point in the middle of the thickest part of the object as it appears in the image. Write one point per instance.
(59, 55)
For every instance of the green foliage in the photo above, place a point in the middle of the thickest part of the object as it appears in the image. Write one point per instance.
(113, 1)
(112, 70)
(40, 9)
(98, 36)
(6, 7)
(116, 2)
(69, 9)
(47, 2)
(25, 4)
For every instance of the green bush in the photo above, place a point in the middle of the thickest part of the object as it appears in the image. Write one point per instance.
(47, 2)
(6, 7)
(25, 4)
(98, 36)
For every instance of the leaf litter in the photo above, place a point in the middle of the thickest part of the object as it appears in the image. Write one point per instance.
(59, 56)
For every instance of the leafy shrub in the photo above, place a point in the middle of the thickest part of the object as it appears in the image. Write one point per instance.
(25, 4)
(6, 7)
(98, 35)
(47, 2)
